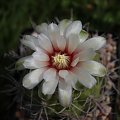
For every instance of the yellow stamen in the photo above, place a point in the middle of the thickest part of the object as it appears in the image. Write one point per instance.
(61, 61)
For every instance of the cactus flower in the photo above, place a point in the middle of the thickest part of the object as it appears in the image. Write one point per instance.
(63, 55)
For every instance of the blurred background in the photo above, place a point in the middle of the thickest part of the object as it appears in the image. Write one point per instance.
(17, 15)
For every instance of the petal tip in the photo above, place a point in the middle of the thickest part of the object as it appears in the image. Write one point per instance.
(103, 71)
(92, 84)
(25, 85)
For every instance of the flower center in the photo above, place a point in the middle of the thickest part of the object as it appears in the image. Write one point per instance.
(61, 61)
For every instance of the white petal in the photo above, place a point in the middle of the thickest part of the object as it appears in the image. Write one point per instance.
(51, 81)
(94, 68)
(74, 28)
(19, 63)
(40, 64)
(75, 61)
(30, 41)
(49, 87)
(95, 43)
(43, 28)
(65, 93)
(63, 24)
(73, 42)
(41, 50)
(85, 78)
(29, 63)
(54, 34)
(41, 56)
(69, 77)
(61, 43)
(72, 79)
(84, 55)
(49, 74)
(63, 73)
(83, 35)
(45, 43)
(33, 78)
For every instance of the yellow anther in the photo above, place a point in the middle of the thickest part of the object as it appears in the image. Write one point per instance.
(61, 61)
